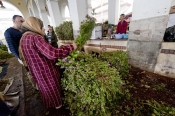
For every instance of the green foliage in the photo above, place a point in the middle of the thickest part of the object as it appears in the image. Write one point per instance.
(106, 22)
(85, 31)
(160, 87)
(162, 109)
(119, 60)
(4, 54)
(144, 108)
(131, 108)
(91, 87)
(65, 31)
(3, 47)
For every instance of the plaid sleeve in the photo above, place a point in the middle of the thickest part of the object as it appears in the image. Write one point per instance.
(50, 52)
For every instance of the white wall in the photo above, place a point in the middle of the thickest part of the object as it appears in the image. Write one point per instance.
(165, 62)
(173, 2)
(113, 11)
(74, 15)
(171, 21)
(146, 8)
(78, 11)
(84, 11)
(62, 5)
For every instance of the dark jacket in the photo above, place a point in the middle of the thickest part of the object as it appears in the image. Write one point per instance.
(13, 37)
(54, 39)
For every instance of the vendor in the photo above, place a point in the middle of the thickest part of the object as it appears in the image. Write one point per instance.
(122, 25)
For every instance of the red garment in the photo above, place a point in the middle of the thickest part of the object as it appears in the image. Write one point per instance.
(122, 27)
(41, 57)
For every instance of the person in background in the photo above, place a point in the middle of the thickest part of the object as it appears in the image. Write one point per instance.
(2, 6)
(51, 37)
(13, 35)
(122, 25)
(40, 58)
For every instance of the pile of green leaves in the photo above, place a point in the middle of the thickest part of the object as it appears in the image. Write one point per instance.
(119, 60)
(160, 109)
(65, 31)
(3, 47)
(4, 53)
(106, 22)
(85, 31)
(86, 28)
(137, 107)
(132, 107)
(91, 87)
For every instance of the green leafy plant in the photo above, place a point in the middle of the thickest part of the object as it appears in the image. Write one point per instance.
(119, 60)
(162, 109)
(106, 22)
(65, 31)
(3, 47)
(131, 108)
(91, 87)
(85, 31)
(160, 87)
(144, 108)
(4, 55)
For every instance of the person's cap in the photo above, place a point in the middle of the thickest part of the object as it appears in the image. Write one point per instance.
(14, 17)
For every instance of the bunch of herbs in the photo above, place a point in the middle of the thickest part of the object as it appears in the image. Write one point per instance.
(65, 31)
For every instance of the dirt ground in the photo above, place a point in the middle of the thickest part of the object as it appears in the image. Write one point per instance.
(14, 70)
(144, 86)
(152, 86)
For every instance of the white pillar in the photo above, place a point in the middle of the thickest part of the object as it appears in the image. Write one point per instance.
(54, 12)
(36, 13)
(89, 7)
(78, 12)
(113, 11)
(35, 10)
(102, 18)
(30, 8)
(45, 19)
(30, 11)
(43, 14)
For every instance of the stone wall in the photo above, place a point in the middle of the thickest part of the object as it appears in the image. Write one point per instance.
(145, 38)
(101, 46)
(145, 46)
(166, 60)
